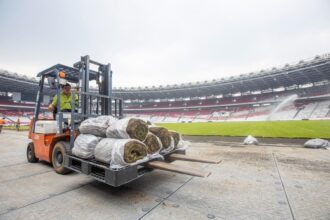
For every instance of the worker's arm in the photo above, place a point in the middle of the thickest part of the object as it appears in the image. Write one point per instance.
(52, 106)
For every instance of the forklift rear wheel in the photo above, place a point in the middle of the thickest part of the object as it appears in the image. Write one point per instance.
(58, 158)
(31, 157)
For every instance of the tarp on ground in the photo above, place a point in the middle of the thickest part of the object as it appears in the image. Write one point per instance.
(250, 140)
(317, 143)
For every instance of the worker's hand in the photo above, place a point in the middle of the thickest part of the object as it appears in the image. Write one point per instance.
(51, 108)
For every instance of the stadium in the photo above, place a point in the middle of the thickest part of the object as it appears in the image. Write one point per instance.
(301, 90)
(268, 178)
(144, 110)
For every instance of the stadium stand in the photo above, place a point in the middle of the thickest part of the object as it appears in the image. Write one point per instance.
(247, 97)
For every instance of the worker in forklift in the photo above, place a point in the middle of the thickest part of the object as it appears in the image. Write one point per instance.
(65, 100)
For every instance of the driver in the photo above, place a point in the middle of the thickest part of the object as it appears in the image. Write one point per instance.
(65, 100)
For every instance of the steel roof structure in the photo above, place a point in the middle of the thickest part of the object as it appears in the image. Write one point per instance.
(315, 70)
(13, 82)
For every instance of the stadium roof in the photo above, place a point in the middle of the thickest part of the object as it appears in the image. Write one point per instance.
(301, 73)
(13, 82)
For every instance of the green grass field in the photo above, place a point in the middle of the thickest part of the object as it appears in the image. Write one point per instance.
(22, 128)
(284, 129)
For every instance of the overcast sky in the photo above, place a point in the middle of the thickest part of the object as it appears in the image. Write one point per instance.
(153, 42)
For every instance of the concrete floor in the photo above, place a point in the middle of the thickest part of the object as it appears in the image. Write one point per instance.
(252, 182)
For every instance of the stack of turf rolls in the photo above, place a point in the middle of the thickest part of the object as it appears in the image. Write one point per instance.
(169, 139)
(122, 142)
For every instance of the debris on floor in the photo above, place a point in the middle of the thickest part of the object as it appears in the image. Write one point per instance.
(250, 140)
(317, 143)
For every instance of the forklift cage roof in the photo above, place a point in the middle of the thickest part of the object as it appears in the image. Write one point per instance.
(71, 73)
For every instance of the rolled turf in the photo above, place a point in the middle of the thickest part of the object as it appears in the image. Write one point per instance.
(176, 137)
(137, 129)
(163, 134)
(134, 151)
(153, 143)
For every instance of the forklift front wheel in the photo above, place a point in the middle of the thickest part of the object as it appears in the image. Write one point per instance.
(58, 158)
(30, 155)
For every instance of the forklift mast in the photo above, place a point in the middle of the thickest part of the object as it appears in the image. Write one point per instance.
(104, 81)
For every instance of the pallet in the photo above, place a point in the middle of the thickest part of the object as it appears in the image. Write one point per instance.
(103, 173)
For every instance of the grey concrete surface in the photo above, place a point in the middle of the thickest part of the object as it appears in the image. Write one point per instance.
(252, 182)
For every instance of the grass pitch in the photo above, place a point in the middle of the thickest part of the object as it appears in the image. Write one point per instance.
(278, 129)
(13, 127)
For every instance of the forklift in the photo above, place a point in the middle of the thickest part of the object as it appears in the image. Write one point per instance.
(53, 139)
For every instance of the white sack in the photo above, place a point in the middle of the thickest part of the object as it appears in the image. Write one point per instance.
(96, 126)
(183, 144)
(84, 146)
(317, 143)
(251, 140)
(117, 129)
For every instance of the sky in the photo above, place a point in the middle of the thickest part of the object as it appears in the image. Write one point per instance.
(154, 42)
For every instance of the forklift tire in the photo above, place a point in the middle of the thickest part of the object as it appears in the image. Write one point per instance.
(58, 158)
(30, 155)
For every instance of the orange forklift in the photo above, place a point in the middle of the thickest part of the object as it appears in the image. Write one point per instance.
(53, 139)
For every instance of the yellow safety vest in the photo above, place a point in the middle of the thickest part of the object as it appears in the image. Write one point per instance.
(65, 101)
